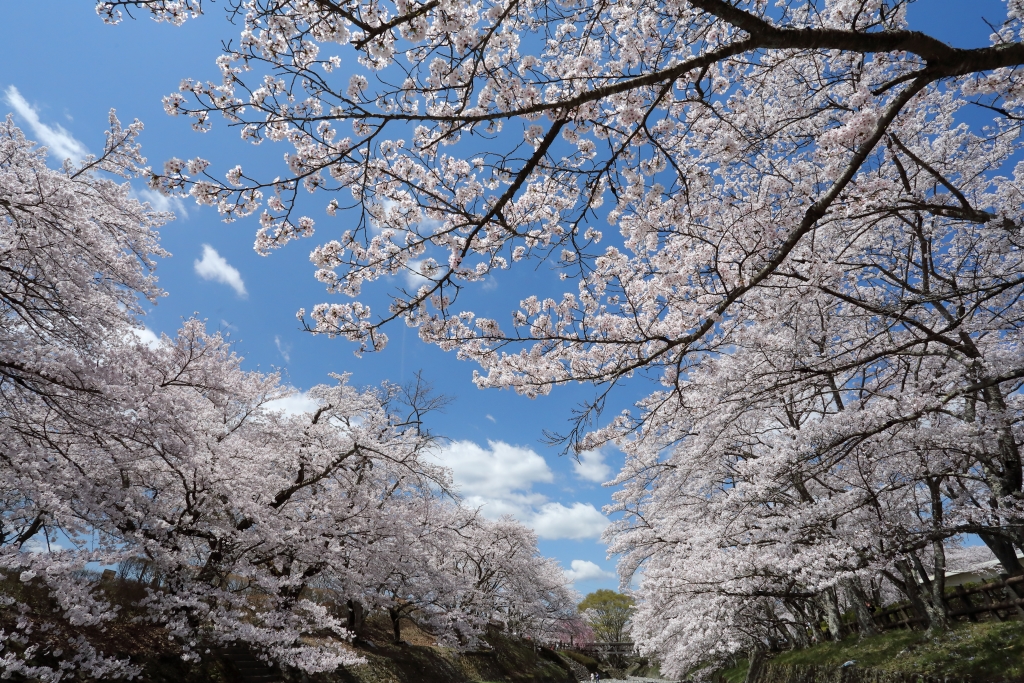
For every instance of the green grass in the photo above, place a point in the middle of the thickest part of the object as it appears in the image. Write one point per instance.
(990, 652)
(735, 674)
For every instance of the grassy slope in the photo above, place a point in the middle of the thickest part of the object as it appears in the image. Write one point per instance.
(734, 674)
(990, 652)
(508, 661)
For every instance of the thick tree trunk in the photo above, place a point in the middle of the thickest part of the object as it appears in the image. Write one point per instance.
(798, 636)
(1007, 556)
(396, 623)
(356, 615)
(833, 617)
(935, 610)
(805, 636)
(912, 590)
(756, 658)
(815, 617)
(1006, 479)
(855, 594)
(939, 614)
(1005, 553)
(876, 593)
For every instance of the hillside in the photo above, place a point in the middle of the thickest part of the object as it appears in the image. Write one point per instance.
(418, 659)
(989, 652)
(415, 660)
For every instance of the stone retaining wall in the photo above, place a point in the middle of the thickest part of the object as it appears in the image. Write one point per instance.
(579, 671)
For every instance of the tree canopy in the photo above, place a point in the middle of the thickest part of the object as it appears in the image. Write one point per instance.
(608, 614)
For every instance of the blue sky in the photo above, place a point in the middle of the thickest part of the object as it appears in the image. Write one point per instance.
(62, 69)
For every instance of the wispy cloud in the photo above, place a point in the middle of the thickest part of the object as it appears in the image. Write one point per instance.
(213, 266)
(160, 202)
(491, 418)
(60, 142)
(63, 145)
(283, 349)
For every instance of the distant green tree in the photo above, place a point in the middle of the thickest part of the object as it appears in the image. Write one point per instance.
(607, 612)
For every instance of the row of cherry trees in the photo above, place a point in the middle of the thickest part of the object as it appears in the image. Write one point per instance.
(815, 255)
(167, 460)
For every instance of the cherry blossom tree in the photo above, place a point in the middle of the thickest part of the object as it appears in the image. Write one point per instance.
(815, 253)
(783, 496)
(456, 572)
(233, 507)
(78, 254)
(691, 94)
(171, 462)
(503, 577)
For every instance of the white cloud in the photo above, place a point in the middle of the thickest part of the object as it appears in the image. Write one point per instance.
(283, 349)
(213, 266)
(38, 544)
(491, 418)
(61, 143)
(499, 479)
(147, 337)
(582, 520)
(296, 404)
(414, 278)
(591, 467)
(585, 570)
(495, 472)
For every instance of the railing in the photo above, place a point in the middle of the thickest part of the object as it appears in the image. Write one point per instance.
(597, 649)
(1000, 598)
